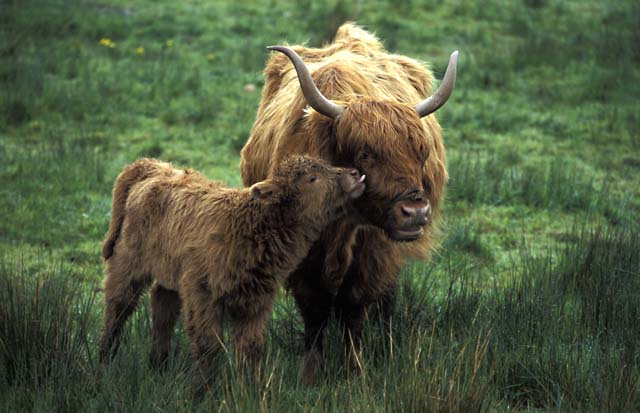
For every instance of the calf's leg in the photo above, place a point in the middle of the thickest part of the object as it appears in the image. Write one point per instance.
(247, 334)
(165, 306)
(122, 293)
(203, 325)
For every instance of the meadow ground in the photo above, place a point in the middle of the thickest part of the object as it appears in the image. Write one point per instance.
(531, 303)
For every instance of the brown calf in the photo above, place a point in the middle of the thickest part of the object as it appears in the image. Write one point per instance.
(212, 251)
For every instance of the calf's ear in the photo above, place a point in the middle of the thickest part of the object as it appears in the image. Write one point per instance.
(263, 190)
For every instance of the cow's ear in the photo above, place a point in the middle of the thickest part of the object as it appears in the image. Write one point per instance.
(264, 190)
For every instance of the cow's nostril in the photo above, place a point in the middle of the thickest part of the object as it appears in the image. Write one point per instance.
(406, 212)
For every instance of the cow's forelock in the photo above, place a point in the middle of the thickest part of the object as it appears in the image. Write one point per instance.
(392, 130)
(395, 145)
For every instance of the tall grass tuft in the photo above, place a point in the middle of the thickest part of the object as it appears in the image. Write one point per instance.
(568, 330)
(45, 323)
(603, 270)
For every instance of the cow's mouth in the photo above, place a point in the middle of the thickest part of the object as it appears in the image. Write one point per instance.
(407, 219)
(406, 234)
(403, 221)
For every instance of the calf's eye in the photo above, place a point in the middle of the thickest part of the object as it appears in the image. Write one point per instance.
(312, 178)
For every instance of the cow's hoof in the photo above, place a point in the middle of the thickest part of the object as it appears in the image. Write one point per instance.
(355, 362)
(158, 360)
(310, 368)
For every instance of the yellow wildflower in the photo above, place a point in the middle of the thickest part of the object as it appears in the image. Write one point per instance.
(35, 125)
(106, 42)
(169, 43)
(211, 57)
(140, 50)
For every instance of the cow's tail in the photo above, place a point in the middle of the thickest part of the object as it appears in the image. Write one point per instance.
(130, 175)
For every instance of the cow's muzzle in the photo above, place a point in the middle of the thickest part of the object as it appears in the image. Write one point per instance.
(407, 220)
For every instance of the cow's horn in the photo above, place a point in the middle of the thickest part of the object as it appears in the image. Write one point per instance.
(315, 99)
(435, 101)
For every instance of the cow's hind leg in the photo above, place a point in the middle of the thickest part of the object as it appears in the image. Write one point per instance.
(122, 293)
(165, 306)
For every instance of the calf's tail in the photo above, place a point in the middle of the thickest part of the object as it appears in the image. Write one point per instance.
(130, 175)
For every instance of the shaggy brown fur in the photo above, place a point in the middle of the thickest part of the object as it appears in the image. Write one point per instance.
(379, 133)
(217, 253)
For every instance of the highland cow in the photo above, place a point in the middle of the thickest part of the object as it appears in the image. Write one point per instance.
(353, 104)
(219, 254)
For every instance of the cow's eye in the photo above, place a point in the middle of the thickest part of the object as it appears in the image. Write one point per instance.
(312, 178)
(364, 156)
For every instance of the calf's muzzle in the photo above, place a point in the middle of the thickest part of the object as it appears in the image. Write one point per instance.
(352, 182)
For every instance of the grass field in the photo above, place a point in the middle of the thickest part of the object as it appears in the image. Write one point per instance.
(531, 303)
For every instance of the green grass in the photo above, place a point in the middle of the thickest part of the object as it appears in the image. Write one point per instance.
(560, 333)
(531, 301)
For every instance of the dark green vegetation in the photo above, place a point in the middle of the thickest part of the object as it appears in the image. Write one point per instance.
(530, 304)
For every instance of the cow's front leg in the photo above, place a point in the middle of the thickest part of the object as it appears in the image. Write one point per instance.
(314, 302)
(372, 276)
(315, 308)
(352, 315)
